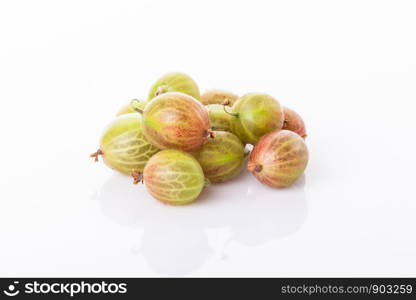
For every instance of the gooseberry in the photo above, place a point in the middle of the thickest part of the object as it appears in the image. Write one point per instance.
(174, 82)
(220, 120)
(293, 122)
(176, 121)
(255, 114)
(217, 96)
(222, 157)
(173, 177)
(279, 158)
(123, 145)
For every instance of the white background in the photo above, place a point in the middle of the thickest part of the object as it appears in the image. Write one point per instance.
(348, 67)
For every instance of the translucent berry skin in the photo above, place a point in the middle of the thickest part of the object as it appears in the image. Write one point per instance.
(129, 108)
(176, 121)
(219, 119)
(279, 158)
(222, 157)
(174, 177)
(174, 82)
(216, 96)
(293, 122)
(255, 115)
(124, 147)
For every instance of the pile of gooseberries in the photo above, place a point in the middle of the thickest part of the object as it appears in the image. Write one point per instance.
(178, 140)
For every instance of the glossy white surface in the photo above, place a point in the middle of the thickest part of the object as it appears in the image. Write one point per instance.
(348, 67)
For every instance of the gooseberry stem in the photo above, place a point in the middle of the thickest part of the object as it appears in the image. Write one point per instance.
(160, 90)
(96, 154)
(207, 182)
(226, 102)
(137, 177)
(227, 112)
(133, 102)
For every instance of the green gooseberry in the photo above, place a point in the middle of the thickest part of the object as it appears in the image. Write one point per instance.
(254, 115)
(176, 121)
(218, 96)
(174, 82)
(220, 120)
(222, 157)
(123, 145)
(173, 177)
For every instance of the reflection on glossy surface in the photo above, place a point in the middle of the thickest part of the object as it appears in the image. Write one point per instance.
(175, 240)
(175, 249)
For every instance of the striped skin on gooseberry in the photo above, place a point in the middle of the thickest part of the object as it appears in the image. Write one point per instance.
(174, 177)
(279, 158)
(132, 107)
(174, 82)
(222, 157)
(176, 121)
(255, 114)
(220, 120)
(294, 122)
(123, 145)
(217, 96)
